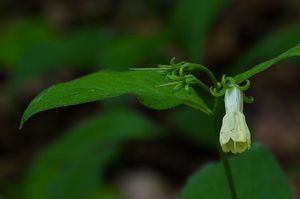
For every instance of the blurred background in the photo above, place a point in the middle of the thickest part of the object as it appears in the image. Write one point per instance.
(117, 148)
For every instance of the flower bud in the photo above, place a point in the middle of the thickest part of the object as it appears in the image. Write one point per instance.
(234, 134)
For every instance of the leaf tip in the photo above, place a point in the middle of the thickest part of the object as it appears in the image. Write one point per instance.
(21, 123)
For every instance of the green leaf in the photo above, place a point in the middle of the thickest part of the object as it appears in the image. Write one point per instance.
(293, 52)
(101, 85)
(256, 175)
(269, 46)
(191, 21)
(74, 165)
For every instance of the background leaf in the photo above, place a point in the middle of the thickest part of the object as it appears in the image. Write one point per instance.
(107, 84)
(17, 38)
(191, 22)
(256, 176)
(73, 166)
(105, 193)
(293, 52)
(77, 49)
(88, 48)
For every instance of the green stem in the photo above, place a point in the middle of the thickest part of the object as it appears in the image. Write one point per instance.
(228, 173)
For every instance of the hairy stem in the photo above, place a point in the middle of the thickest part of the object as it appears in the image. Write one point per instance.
(216, 124)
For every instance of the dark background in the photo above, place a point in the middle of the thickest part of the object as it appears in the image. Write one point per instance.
(137, 33)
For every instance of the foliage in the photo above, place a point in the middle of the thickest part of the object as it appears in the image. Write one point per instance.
(74, 165)
(35, 49)
(103, 85)
(256, 175)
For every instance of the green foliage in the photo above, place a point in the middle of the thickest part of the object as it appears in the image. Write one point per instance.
(256, 175)
(103, 85)
(293, 52)
(105, 193)
(16, 39)
(92, 49)
(192, 20)
(31, 49)
(73, 50)
(73, 166)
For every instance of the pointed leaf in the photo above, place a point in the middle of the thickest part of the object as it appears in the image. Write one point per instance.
(293, 52)
(101, 85)
(269, 46)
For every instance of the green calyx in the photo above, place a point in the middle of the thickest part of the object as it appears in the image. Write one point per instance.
(229, 82)
(180, 75)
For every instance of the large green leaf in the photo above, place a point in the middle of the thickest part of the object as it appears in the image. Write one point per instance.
(269, 46)
(74, 165)
(293, 52)
(256, 175)
(191, 21)
(107, 84)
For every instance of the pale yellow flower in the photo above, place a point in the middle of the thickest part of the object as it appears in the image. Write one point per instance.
(234, 134)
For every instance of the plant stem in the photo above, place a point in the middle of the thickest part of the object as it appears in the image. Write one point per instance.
(223, 156)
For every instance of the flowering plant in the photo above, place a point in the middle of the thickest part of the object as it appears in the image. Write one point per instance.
(152, 87)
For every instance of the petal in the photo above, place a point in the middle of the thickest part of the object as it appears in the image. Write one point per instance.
(234, 134)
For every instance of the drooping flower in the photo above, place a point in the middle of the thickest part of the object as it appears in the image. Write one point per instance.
(234, 134)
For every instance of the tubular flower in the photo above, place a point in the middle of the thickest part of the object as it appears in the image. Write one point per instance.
(234, 134)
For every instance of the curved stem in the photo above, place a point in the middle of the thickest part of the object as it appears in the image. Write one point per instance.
(223, 156)
(207, 71)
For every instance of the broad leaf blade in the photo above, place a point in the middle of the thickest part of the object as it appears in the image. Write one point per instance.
(293, 52)
(74, 165)
(108, 84)
(256, 175)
